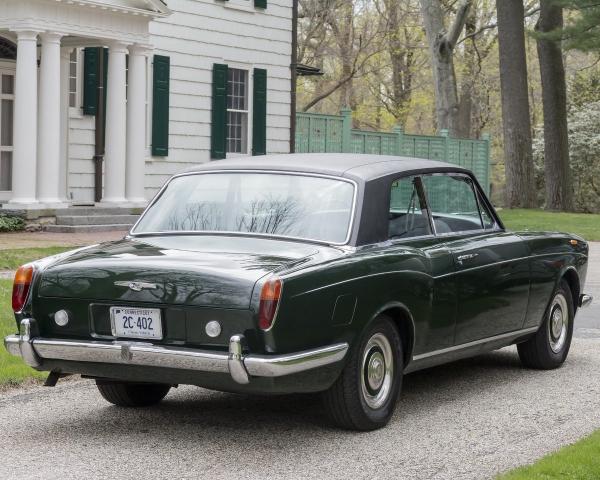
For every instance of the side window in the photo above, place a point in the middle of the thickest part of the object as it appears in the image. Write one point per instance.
(408, 213)
(453, 203)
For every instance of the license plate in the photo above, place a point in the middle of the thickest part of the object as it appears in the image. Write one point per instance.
(136, 322)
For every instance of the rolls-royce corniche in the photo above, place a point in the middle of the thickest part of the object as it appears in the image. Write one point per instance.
(335, 274)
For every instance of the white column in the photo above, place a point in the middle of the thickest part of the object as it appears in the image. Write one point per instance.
(65, 69)
(116, 126)
(48, 186)
(25, 121)
(136, 125)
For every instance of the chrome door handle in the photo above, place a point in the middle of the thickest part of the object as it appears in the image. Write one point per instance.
(469, 256)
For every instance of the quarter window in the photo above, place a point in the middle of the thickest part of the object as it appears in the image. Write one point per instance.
(237, 111)
(453, 203)
(408, 216)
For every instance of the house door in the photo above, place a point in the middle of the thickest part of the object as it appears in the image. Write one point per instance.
(7, 102)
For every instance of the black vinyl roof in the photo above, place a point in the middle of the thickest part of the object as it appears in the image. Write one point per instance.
(348, 165)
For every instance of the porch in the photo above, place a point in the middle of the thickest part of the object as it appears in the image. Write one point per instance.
(37, 38)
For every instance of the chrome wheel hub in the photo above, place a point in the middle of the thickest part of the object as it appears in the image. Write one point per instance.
(377, 371)
(558, 323)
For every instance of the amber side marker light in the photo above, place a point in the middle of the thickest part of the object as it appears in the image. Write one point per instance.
(574, 243)
(269, 299)
(21, 286)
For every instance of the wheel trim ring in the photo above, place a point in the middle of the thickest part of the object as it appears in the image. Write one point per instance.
(558, 323)
(375, 399)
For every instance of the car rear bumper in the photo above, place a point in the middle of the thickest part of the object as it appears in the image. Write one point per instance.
(585, 300)
(241, 367)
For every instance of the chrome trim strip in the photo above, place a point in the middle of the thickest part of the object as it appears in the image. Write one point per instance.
(475, 343)
(234, 362)
(351, 225)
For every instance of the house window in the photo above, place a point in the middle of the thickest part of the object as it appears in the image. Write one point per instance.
(73, 78)
(237, 111)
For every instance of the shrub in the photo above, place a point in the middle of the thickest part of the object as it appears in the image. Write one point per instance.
(11, 224)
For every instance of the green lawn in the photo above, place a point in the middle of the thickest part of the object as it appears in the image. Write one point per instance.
(580, 461)
(12, 369)
(585, 225)
(13, 259)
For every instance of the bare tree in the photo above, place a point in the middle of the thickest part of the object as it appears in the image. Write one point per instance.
(342, 34)
(441, 46)
(518, 155)
(400, 48)
(559, 193)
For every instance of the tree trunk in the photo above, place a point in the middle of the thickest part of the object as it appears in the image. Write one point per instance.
(441, 48)
(518, 156)
(559, 193)
(469, 77)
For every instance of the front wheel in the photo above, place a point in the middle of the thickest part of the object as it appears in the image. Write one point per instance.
(549, 347)
(365, 394)
(125, 394)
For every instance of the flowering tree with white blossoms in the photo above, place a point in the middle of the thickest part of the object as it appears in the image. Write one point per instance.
(584, 147)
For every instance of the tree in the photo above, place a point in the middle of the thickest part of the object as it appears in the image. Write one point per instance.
(583, 32)
(518, 155)
(338, 36)
(441, 46)
(559, 194)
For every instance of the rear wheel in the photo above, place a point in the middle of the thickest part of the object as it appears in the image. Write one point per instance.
(126, 394)
(549, 347)
(365, 394)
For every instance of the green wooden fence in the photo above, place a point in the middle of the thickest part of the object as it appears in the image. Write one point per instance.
(317, 133)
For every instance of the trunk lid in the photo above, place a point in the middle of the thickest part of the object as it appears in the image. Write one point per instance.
(175, 270)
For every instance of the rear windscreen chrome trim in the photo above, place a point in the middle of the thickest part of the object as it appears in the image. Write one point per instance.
(133, 233)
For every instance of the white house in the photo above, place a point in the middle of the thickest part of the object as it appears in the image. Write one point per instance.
(183, 82)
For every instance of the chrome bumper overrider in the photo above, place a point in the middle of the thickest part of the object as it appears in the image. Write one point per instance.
(241, 367)
(585, 300)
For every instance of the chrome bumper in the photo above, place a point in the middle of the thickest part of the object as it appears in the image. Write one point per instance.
(585, 300)
(241, 367)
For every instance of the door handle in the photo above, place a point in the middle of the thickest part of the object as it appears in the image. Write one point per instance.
(469, 256)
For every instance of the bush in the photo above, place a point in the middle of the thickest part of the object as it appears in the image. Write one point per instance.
(11, 224)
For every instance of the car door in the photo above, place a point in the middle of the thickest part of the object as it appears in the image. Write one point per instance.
(492, 266)
(411, 237)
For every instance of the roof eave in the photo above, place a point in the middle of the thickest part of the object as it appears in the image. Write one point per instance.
(158, 8)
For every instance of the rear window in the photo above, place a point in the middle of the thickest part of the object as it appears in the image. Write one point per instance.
(274, 204)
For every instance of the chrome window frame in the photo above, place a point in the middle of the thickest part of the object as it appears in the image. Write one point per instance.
(498, 227)
(351, 222)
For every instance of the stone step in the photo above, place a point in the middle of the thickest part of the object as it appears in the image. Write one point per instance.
(96, 219)
(118, 227)
(85, 211)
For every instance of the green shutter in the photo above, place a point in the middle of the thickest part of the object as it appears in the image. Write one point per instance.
(90, 83)
(260, 3)
(160, 106)
(219, 112)
(90, 80)
(259, 113)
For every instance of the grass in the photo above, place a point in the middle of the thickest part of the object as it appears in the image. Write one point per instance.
(13, 259)
(582, 224)
(580, 461)
(12, 369)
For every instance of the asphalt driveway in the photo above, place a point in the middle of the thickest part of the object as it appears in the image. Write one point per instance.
(469, 420)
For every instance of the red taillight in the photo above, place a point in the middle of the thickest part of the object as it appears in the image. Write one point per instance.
(269, 299)
(21, 287)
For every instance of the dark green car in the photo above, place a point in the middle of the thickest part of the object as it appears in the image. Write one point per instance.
(301, 273)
